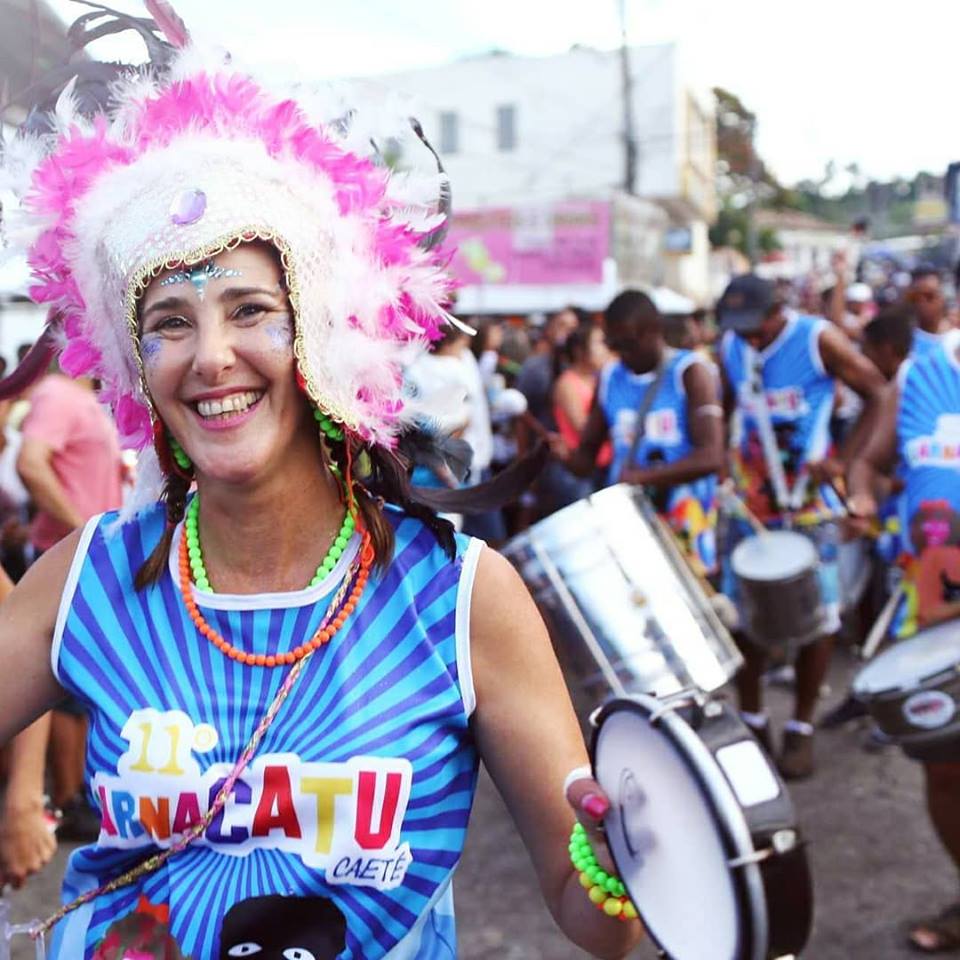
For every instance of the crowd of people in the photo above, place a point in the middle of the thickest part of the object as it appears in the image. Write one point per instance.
(858, 401)
(667, 404)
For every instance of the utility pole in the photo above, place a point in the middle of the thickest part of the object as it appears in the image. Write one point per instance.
(626, 86)
(754, 173)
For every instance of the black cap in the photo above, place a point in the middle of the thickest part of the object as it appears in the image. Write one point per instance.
(745, 302)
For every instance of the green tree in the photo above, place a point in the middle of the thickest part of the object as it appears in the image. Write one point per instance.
(742, 175)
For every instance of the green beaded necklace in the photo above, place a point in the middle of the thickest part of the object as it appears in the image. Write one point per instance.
(200, 577)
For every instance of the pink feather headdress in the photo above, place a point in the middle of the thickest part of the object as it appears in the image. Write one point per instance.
(205, 159)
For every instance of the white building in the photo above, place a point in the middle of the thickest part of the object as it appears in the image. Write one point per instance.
(525, 132)
(806, 244)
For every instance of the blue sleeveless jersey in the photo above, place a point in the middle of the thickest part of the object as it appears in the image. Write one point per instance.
(341, 836)
(928, 432)
(924, 344)
(690, 507)
(799, 394)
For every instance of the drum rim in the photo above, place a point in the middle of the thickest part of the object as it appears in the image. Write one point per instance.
(719, 797)
(943, 673)
(804, 571)
(920, 683)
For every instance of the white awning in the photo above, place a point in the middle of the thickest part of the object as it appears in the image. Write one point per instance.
(526, 298)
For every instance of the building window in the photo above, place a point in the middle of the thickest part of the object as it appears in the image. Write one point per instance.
(507, 127)
(449, 132)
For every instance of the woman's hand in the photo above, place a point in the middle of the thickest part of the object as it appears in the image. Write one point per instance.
(590, 805)
(27, 843)
(530, 740)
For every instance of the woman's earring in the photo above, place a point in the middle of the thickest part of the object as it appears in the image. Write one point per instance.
(180, 456)
(173, 458)
(327, 427)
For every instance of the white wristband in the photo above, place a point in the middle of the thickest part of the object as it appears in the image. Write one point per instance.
(578, 773)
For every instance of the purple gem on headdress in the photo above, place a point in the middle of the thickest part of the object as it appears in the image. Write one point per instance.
(188, 207)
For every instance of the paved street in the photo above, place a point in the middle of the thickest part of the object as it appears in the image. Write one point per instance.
(875, 862)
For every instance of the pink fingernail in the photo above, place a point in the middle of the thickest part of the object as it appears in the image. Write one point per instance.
(595, 805)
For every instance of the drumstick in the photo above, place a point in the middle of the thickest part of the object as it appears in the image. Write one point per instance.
(879, 629)
(841, 496)
(845, 504)
(731, 499)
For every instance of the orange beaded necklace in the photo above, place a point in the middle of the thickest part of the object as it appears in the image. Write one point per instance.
(326, 630)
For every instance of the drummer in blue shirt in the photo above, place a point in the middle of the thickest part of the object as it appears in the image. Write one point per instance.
(794, 361)
(680, 450)
(925, 295)
(918, 437)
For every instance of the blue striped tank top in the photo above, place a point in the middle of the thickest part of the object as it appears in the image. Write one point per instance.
(341, 836)
(928, 441)
(799, 393)
(689, 507)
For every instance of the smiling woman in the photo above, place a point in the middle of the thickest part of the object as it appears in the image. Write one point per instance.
(291, 665)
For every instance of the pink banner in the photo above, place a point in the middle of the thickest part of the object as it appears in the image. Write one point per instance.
(551, 243)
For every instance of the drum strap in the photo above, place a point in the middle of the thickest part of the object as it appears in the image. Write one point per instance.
(768, 439)
(643, 409)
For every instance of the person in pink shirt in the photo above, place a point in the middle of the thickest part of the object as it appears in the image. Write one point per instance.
(587, 354)
(70, 458)
(70, 463)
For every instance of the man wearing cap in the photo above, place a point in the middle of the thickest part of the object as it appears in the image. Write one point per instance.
(780, 371)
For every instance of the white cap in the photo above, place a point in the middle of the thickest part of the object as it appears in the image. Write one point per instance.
(859, 293)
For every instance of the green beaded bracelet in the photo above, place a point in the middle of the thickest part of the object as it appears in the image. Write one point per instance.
(605, 890)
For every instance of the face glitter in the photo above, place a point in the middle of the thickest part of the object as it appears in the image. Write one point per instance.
(150, 346)
(280, 334)
(199, 276)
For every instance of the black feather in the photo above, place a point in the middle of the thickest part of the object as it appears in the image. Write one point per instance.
(504, 488)
(436, 452)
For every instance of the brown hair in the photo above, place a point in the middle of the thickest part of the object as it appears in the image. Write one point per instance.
(174, 497)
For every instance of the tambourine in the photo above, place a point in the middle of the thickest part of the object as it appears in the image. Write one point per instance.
(9, 930)
(702, 830)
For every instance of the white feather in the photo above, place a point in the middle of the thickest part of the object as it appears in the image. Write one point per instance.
(65, 112)
(123, 221)
(147, 487)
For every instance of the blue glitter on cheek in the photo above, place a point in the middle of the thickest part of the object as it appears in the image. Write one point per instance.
(280, 334)
(150, 347)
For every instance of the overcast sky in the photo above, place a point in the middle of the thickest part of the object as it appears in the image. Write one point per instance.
(870, 82)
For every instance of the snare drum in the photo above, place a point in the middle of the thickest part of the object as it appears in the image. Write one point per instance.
(912, 690)
(702, 831)
(780, 599)
(623, 608)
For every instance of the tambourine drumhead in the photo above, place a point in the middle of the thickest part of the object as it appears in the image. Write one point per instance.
(776, 555)
(908, 663)
(670, 843)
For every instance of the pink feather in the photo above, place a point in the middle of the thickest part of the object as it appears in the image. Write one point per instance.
(227, 105)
